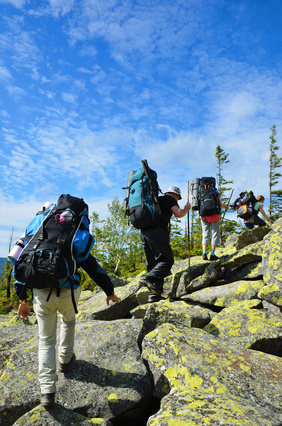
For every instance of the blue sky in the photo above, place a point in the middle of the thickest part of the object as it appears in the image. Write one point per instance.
(89, 88)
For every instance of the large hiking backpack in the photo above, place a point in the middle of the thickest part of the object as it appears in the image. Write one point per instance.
(56, 240)
(245, 205)
(141, 203)
(208, 200)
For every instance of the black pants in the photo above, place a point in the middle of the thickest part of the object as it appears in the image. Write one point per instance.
(158, 253)
(257, 221)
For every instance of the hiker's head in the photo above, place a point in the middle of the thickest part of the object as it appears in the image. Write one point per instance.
(260, 198)
(175, 192)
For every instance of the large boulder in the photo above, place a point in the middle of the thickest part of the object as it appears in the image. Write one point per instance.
(192, 359)
(272, 266)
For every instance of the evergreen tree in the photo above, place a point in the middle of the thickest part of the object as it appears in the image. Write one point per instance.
(228, 226)
(275, 195)
(222, 184)
(196, 235)
(12, 302)
(118, 246)
(178, 241)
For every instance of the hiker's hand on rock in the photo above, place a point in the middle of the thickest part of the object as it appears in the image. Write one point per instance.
(24, 310)
(113, 298)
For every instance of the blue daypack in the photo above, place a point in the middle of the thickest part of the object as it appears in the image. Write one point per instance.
(142, 198)
(56, 240)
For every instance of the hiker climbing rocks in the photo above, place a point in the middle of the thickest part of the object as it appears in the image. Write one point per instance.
(155, 241)
(255, 219)
(58, 236)
(209, 212)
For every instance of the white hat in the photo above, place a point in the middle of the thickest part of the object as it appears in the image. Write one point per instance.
(174, 190)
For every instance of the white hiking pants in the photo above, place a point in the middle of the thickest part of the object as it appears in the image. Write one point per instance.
(47, 315)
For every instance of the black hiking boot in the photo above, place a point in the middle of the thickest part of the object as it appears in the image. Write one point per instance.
(205, 256)
(47, 400)
(213, 257)
(155, 285)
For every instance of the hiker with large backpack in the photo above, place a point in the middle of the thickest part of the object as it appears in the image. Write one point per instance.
(209, 206)
(254, 219)
(156, 244)
(151, 213)
(248, 207)
(55, 244)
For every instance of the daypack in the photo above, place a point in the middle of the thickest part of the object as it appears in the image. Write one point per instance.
(141, 203)
(245, 205)
(208, 200)
(57, 239)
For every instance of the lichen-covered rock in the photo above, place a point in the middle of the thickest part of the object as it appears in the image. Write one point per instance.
(57, 416)
(194, 407)
(247, 237)
(217, 375)
(252, 328)
(95, 307)
(250, 271)
(192, 358)
(212, 273)
(108, 378)
(226, 295)
(181, 280)
(249, 254)
(179, 312)
(272, 266)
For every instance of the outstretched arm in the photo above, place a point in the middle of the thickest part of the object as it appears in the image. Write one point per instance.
(178, 212)
(100, 276)
(264, 214)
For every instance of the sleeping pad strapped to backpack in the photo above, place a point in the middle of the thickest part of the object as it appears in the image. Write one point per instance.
(57, 239)
(208, 200)
(245, 205)
(141, 201)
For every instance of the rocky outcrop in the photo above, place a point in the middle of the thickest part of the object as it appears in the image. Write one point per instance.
(209, 353)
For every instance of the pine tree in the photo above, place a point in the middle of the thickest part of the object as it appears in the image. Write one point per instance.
(229, 226)
(222, 159)
(178, 241)
(117, 245)
(275, 195)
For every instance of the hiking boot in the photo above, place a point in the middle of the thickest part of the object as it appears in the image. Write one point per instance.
(205, 256)
(47, 400)
(63, 368)
(152, 284)
(213, 257)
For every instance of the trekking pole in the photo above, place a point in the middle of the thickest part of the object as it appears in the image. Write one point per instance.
(226, 208)
(188, 225)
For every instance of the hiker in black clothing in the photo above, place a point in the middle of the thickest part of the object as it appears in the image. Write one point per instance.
(155, 241)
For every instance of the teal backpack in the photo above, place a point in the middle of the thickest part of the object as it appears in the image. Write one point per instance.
(141, 203)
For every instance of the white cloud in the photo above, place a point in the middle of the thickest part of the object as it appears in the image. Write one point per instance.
(19, 4)
(69, 97)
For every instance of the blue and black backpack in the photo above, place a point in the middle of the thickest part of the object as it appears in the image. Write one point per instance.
(57, 239)
(141, 202)
(208, 198)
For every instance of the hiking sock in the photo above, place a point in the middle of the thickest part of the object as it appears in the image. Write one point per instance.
(212, 252)
(204, 251)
